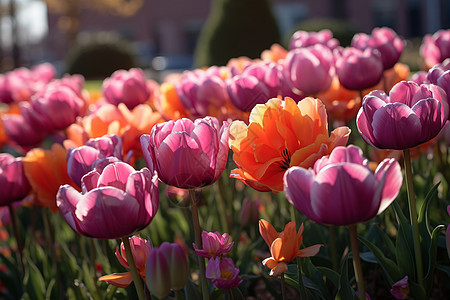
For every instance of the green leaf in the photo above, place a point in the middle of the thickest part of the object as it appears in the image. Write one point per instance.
(389, 268)
(432, 252)
(330, 274)
(405, 252)
(423, 212)
(345, 290)
(48, 293)
(33, 281)
(191, 291)
(401, 219)
(312, 273)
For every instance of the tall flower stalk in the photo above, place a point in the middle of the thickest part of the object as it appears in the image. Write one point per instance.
(413, 215)
(134, 272)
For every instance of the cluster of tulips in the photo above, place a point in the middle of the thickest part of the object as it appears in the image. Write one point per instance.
(145, 168)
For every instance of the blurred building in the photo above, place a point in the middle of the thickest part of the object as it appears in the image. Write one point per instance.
(169, 28)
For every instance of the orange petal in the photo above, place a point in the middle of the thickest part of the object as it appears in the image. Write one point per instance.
(279, 269)
(267, 231)
(309, 251)
(270, 263)
(118, 279)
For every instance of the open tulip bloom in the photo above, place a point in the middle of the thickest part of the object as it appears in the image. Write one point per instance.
(341, 189)
(118, 193)
(187, 154)
(412, 114)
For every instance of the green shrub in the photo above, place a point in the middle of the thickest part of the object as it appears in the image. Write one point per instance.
(97, 56)
(236, 28)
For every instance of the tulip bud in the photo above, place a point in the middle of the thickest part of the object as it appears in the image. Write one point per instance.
(178, 266)
(400, 289)
(157, 274)
(166, 269)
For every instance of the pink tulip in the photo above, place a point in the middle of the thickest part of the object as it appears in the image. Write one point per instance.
(96, 154)
(400, 289)
(246, 91)
(440, 76)
(302, 39)
(412, 114)
(223, 273)
(419, 77)
(187, 154)
(341, 189)
(385, 40)
(435, 48)
(115, 203)
(359, 70)
(309, 70)
(26, 129)
(58, 107)
(214, 244)
(128, 87)
(13, 182)
(166, 269)
(201, 90)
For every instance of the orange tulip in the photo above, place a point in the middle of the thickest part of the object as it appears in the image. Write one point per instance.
(341, 103)
(284, 246)
(275, 53)
(46, 171)
(281, 134)
(168, 103)
(118, 120)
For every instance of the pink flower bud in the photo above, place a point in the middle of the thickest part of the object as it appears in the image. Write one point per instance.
(214, 244)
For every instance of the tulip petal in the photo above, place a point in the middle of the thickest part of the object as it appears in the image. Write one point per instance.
(118, 279)
(267, 231)
(430, 113)
(343, 195)
(309, 251)
(276, 249)
(389, 176)
(396, 126)
(115, 175)
(297, 187)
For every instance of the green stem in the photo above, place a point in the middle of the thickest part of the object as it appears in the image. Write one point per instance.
(13, 216)
(333, 248)
(413, 215)
(134, 272)
(221, 205)
(198, 242)
(301, 286)
(357, 262)
(55, 258)
(283, 287)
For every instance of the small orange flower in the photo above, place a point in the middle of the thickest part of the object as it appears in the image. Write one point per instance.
(284, 246)
(168, 103)
(275, 53)
(118, 120)
(46, 171)
(281, 134)
(341, 103)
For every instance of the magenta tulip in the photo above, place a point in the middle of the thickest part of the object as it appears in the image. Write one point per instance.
(420, 77)
(223, 273)
(359, 70)
(440, 76)
(13, 182)
(187, 154)
(214, 244)
(400, 289)
(199, 91)
(246, 91)
(301, 39)
(385, 40)
(114, 204)
(412, 114)
(58, 107)
(96, 154)
(436, 48)
(341, 189)
(128, 87)
(310, 70)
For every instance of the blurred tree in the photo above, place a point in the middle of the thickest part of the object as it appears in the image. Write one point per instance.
(69, 10)
(236, 28)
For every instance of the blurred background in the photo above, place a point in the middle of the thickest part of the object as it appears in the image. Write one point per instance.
(96, 37)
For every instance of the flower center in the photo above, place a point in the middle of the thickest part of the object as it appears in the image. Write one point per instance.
(286, 162)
